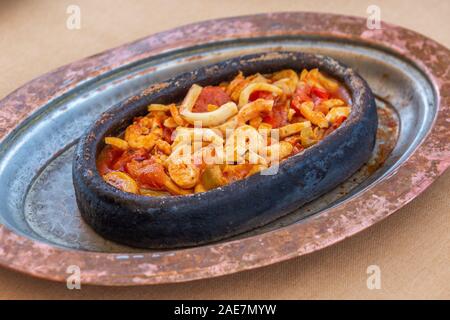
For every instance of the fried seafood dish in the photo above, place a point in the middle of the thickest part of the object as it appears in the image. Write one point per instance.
(223, 149)
(222, 133)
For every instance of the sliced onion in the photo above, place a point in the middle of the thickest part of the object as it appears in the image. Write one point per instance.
(231, 124)
(293, 128)
(189, 134)
(212, 118)
(191, 98)
(245, 94)
(254, 109)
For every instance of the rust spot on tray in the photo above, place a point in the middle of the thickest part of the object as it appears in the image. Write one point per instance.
(387, 135)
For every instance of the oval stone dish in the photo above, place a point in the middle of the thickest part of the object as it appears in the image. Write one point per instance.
(180, 221)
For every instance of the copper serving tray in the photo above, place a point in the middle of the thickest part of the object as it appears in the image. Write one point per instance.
(41, 232)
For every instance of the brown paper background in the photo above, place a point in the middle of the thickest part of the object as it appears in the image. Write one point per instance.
(412, 247)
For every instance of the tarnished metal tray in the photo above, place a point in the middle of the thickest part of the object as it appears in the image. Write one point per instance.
(41, 232)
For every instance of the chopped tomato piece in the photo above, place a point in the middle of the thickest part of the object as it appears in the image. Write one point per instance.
(339, 121)
(167, 134)
(148, 173)
(210, 95)
(303, 91)
(127, 156)
(319, 93)
(297, 148)
(278, 117)
(261, 95)
(300, 95)
(106, 159)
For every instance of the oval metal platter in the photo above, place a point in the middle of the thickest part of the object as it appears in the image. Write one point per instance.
(41, 232)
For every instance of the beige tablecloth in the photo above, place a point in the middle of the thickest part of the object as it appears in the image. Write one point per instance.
(412, 247)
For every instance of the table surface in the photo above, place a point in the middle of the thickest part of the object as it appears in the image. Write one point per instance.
(411, 247)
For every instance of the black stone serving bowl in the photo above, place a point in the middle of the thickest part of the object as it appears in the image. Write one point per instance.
(180, 221)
